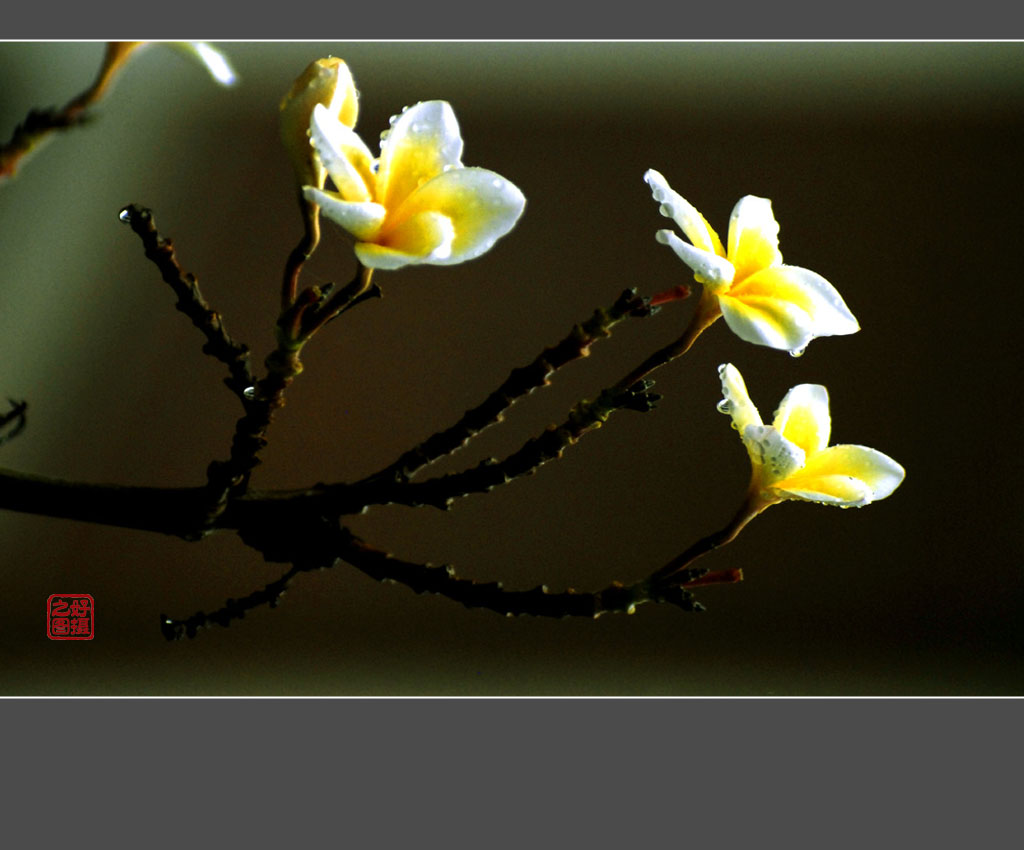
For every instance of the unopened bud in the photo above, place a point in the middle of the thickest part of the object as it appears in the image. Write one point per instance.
(328, 82)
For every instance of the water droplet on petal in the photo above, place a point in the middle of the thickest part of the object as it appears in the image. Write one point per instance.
(125, 215)
(798, 352)
(249, 392)
(724, 406)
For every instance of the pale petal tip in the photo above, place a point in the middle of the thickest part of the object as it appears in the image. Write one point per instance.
(659, 185)
(216, 63)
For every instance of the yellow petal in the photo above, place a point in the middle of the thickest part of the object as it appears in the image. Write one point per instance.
(422, 142)
(826, 314)
(839, 490)
(803, 417)
(481, 205)
(766, 320)
(753, 236)
(422, 238)
(846, 475)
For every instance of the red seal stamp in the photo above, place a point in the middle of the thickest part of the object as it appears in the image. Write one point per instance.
(70, 616)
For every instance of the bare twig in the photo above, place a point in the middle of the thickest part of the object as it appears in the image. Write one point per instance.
(219, 344)
(13, 421)
(233, 609)
(442, 491)
(40, 124)
(520, 383)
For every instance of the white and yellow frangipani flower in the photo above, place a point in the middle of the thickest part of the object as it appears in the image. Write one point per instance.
(792, 459)
(417, 202)
(762, 300)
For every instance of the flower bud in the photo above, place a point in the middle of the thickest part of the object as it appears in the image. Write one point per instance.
(328, 82)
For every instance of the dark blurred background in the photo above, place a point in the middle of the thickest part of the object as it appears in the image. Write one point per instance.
(894, 170)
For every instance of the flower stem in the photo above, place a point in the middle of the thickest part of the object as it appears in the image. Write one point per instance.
(751, 507)
(302, 252)
(704, 316)
(357, 290)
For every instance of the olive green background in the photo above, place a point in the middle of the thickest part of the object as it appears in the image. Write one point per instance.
(894, 170)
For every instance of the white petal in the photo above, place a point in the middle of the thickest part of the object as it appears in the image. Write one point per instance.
(360, 218)
(777, 456)
(683, 213)
(829, 316)
(709, 268)
(803, 417)
(212, 59)
(343, 154)
(785, 307)
(845, 475)
(423, 141)
(426, 237)
(771, 322)
(483, 206)
(839, 490)
(735, 399)
(753, 236)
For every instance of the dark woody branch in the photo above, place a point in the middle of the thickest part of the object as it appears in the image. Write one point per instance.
(219, 344)
(520, 382)
(442, 491)
(302, 528)
(537, 602)
(233, 609)
(330, 544)
(13, 421)
(41, 124)
(174, 511)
